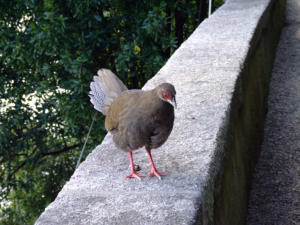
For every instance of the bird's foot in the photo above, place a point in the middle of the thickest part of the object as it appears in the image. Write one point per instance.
(156, 173)
(135, 175)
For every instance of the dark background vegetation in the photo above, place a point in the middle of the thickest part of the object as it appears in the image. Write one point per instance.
(49, 52)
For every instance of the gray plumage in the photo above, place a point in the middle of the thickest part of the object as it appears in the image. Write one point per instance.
(140, 118)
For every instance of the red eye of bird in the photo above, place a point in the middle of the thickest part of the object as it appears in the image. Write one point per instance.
(166, 95)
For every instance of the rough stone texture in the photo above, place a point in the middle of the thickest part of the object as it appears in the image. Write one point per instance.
(275, 192)
(215, 73)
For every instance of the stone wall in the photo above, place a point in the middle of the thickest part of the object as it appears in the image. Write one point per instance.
(221, 74)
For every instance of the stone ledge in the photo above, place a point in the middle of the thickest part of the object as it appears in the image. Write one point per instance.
(221, 74)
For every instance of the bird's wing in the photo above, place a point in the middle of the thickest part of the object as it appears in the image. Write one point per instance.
(130, 134)
(121, 108)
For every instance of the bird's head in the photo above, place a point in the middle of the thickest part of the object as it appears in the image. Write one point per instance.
(167, 93)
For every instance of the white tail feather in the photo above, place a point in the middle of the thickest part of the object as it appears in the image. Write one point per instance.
(104, 89)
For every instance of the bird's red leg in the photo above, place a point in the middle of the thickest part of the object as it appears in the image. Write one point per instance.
(133, 174)
(153, 169)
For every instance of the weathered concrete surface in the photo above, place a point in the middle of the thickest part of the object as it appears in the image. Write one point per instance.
(275, 192)
(207, 156)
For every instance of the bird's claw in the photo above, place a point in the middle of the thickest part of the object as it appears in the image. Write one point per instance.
(156, 173)
(135, 175)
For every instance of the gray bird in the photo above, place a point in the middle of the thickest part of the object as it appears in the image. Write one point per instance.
(136, 118)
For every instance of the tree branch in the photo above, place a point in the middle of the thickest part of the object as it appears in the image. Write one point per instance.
(66, 148)
(16, 170)
(3, 159)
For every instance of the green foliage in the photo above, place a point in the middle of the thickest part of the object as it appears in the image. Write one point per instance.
(49, 51)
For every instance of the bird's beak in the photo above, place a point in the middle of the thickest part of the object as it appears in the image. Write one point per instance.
(173, 102)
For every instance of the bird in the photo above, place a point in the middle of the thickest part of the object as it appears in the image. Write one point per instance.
(136, 118)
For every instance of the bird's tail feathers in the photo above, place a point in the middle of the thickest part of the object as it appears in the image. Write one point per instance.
(104, 89)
